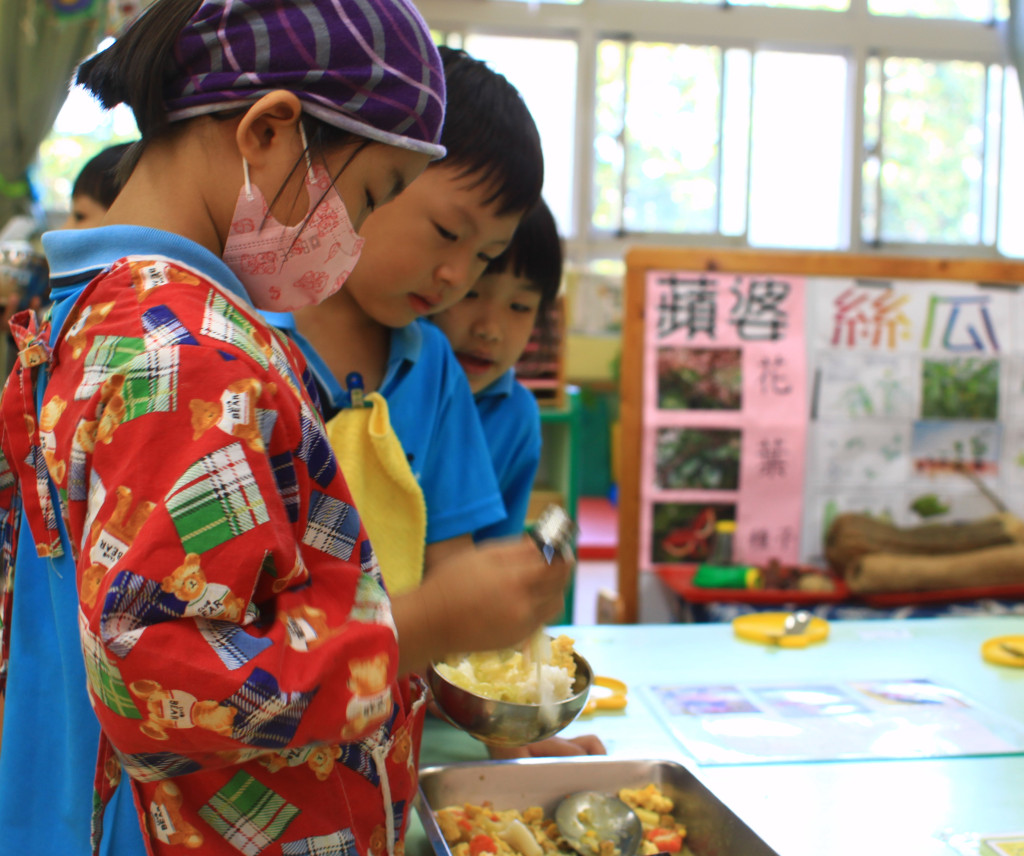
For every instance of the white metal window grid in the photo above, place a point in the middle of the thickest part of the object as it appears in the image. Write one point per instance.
(998, 91)
(855, 34)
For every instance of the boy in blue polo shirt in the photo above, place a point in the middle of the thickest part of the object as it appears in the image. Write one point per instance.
(489, 330)
(420, 257)
(371, 342)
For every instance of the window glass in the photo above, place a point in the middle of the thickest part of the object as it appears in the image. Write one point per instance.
(799, 150)
(735, 142)
(964, 10)
(1011, 208)
(931, 164)
(671, 138)
(547, 82)
(872, 131)
(993, 154)
(827, 5)
(609, 118)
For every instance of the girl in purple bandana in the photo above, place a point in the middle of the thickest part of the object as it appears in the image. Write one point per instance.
(199, 651)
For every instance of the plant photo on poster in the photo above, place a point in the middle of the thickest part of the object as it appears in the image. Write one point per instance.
(697, 458)
(685, 532)
(699, 378)
(953, 448)
(966, 388)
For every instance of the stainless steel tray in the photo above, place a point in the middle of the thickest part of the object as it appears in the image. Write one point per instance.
(712, 829)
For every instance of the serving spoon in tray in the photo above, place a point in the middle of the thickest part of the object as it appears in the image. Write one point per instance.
(587, 818)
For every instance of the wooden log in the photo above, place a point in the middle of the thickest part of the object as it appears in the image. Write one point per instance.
(854, 535)
(889, 572)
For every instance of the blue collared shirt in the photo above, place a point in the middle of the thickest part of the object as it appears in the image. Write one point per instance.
(435, 420)
(511, 422)
(76, 256)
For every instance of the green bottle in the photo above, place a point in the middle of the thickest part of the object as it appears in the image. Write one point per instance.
(727, 576)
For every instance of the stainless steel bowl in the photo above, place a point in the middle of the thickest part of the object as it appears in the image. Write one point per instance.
(506, 723)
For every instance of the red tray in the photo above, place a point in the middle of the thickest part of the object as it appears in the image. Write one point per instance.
(679, 578)
(910, 598)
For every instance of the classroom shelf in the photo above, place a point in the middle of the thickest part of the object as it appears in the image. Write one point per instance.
(541, 368)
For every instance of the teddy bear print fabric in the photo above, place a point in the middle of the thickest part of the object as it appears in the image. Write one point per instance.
(238, 641)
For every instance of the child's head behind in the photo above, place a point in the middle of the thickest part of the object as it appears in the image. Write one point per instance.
(490, 137)
(325, 109)
(426, 250)
(186, 58)
(491, 326)
(96, 188)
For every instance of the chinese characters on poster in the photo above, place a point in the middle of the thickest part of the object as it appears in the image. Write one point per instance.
(725, 421)
(917, 392)
(781, 401)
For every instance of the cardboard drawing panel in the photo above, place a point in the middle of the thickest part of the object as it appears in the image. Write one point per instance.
(781, 389)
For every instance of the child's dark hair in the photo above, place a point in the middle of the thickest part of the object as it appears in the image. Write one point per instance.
(534, 254)
(133, 71)
(98, 178)
(490, 134)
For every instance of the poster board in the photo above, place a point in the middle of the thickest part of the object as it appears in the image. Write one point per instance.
(806, 345)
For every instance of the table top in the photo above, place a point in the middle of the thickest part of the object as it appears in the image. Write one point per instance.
(913, 807)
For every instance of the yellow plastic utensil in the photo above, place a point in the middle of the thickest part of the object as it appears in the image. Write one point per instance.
(613, 700)
(1004, 651)
(769, 628)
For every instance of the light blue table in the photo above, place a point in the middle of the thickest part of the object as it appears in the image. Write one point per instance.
(834, 808)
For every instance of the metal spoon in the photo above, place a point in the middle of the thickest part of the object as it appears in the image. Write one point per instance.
(796, 622)
(609, 818)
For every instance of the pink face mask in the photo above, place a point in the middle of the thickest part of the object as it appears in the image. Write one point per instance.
(284, 268)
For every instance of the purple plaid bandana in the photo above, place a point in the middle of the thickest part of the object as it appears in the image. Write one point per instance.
(366, 66)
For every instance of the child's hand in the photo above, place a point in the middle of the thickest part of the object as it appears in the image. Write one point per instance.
(499, 593)
(553, 747)
(489, 596)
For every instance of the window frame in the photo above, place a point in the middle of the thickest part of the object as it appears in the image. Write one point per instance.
(856, 34)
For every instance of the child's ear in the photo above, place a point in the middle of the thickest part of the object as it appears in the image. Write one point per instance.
(269, 129)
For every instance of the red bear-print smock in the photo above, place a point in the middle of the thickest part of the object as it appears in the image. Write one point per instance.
(239, 646)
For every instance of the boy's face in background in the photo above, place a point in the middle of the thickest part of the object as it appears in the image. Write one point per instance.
(490, 327)
(425, 250)
(86, 213)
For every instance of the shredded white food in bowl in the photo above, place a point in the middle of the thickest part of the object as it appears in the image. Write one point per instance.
(509, 674)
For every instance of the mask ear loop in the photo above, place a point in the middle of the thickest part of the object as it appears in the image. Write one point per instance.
(305, 151)
(248, 184)
(310, 179)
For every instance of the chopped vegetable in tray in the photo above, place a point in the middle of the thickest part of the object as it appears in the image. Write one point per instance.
(473, 830)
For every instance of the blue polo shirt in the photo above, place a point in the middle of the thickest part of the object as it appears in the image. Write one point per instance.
(435, 420)
(511, 422)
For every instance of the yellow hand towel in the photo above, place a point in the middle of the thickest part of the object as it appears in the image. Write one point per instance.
(385, 491)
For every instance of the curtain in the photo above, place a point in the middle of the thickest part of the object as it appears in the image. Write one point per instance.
(39, 49)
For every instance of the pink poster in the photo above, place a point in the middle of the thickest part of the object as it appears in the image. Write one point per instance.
(725, 416)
